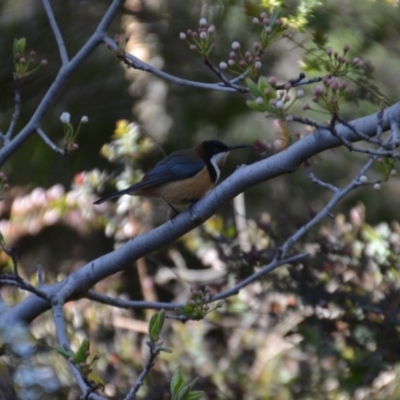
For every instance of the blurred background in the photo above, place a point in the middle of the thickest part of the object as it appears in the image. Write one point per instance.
(275, 340)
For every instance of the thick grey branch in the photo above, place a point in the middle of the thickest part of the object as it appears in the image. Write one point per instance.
(81, 280)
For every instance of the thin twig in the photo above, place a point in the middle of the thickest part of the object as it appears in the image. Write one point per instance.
(17, 109)
(317, 181)
(326, 211)
(221, 76)
(48, 141)
(130, 304)
(56, 31)
(16, 280)
(252, 278)
(61, 331)
(134, 62)
(154, 352)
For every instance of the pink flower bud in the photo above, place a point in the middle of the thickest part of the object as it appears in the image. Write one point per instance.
(211, 29)
(260, 101)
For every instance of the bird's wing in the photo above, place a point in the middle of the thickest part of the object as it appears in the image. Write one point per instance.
(176, 167)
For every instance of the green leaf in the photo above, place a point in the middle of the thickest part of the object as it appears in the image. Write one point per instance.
(19, 46)
(164, 349)
(196, 395)
(252, 9)
(183, 393)
(177, 380)
(320, 38)
(63, 352)
(191, 384)
(81, 355)
(96, 380)
(253, 87)
(255, 106)
(156, 324)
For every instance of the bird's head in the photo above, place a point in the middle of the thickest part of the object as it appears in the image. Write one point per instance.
(217, 152)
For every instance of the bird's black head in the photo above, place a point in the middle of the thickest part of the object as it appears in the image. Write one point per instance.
(214, 153)
(213, 147)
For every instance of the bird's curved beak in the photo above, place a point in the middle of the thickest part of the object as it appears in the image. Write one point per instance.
(230, 148)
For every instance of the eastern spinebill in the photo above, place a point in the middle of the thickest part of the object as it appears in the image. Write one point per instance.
(183, 177)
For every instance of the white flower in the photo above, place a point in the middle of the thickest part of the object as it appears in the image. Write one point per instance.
(235, 45)
(84, 119)
(65, 117)
(182, 36)
(203, 22)
(223, 65)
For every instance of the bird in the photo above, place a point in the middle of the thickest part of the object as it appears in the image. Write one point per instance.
(183, 177)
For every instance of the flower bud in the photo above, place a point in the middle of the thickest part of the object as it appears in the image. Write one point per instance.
(65, 117)
(211, 29)
(235, 46)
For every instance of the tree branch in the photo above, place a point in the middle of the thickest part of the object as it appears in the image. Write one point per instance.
(81, 280)
(134, 62)
(65, 72)
(56, 31)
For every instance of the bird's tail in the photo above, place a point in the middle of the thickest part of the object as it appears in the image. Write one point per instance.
(114, 195)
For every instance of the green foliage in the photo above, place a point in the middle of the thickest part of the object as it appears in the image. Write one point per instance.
(155, 325)
(198, 306)
(24, 65)
(81, 360)
(181, 389)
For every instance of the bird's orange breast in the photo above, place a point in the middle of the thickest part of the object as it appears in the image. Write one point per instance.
(181, 193)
